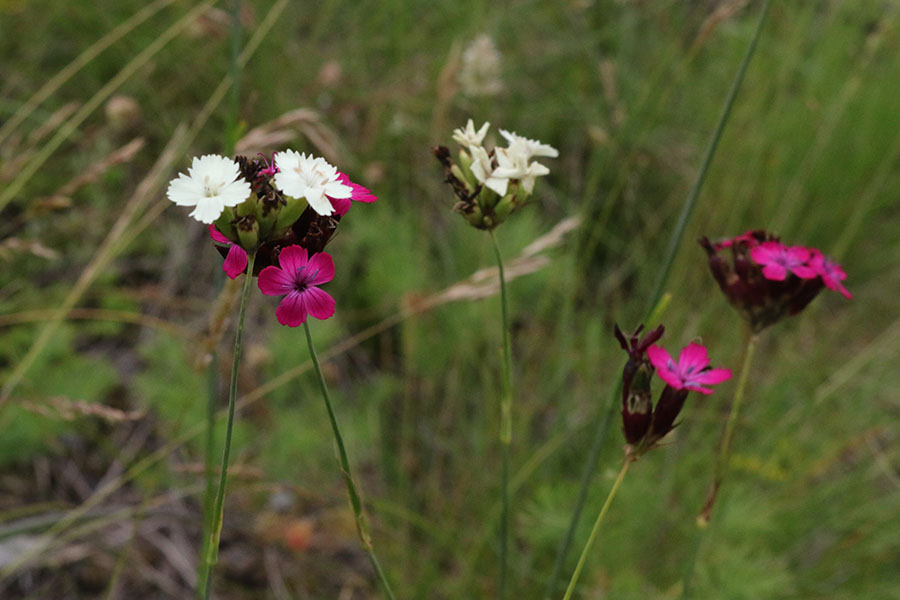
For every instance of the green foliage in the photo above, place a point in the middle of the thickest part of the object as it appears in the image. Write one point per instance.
(629, 93)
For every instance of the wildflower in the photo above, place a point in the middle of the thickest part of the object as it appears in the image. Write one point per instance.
(310, 177)
(296, 279)
(528, 148)
(831, 273)
(480, 71)
(213, 183)
(692, 370)
(777, 260)
(236, 260)
(468, 137)
(766, 280)
(643, 424)
(491, 184)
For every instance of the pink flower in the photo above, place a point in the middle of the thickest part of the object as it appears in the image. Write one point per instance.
(749, 239)
(359, 194)
(831, 272)
(692, 370)
(296, 280)
(236, 261)
(777, 260)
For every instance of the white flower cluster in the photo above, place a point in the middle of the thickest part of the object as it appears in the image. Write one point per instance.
(214, 182)
(512, 163)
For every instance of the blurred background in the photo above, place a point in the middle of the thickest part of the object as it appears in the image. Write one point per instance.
(115, 317)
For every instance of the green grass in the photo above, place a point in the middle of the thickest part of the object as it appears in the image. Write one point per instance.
(810, 505)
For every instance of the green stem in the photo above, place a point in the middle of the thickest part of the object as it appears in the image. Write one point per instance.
(355, 501)
(669, 258)
(505, 422)
(211, 555)
(609, 498)
(724, 455)
(722, 459)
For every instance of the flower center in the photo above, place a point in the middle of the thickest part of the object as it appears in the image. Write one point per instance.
(211, 189)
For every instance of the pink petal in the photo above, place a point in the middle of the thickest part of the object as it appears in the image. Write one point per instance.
(692, 355)
(765, 252)
(774, 272)
(236, 261)
(658, 356)
(694, 387)
(361, 194)
(319, 303)
(797, 254)
(218, 236)
(323, 266)
(292, 259)
(340, 205)
(671, 378)
(804, 272)
(293, 309)
(713, 376)
(272, 281)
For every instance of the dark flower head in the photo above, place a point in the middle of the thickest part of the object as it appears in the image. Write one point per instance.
(637, 403)
(766, 280)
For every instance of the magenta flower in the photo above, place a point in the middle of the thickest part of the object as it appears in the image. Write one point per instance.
(777, 260)
(692, 370)
(296, 279)
(236, 260)
(831, 272)
(359, 194)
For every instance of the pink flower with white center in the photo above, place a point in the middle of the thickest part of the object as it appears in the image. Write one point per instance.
(236, 260)
(359, 194)
(831, 272)
(691, 372)
(777, 260)
(296, 279)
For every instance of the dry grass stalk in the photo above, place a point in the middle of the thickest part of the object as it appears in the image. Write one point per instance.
(285, 129)
(60, 407)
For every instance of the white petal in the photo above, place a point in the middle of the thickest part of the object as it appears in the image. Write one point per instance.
(320, 203)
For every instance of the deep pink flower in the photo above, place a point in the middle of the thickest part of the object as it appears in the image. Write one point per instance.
(359, 194)
(692, 370)
(831, 272)
(296, 279)
(777, 260)
(236, 261)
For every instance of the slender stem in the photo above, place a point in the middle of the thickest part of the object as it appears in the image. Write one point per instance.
(688, 207)
(505, 422)
(724, 455)
(355, 501)
(211, 555)
(593, 536)
(656, 296)
(721, 468)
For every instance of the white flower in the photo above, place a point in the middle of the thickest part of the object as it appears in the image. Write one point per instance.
(480, 71)
(484, 171)
(513, 164)
(310, 177)
(531, 148)
(468, 137)
(212, 183)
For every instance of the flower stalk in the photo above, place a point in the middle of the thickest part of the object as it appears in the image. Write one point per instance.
(355, 502)
(505, 420)
(211, 553)
(590, 542)
(724, 455)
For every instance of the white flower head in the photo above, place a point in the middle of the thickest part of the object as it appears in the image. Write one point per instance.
(480, 74)
(531, 148)
(212, 183)
(512, 163)
(484, 171)
(468, 137)
(310, 177)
